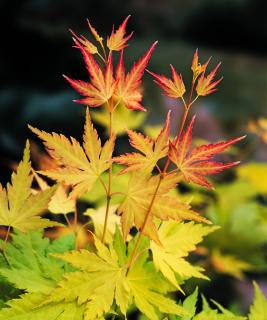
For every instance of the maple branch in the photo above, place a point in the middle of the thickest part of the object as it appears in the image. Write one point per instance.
(132, 257)
(109, 192)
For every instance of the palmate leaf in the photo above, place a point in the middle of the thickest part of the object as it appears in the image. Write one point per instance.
(177, 240)
(25, 309)
(102, 280)
(102, 88)
(213, 314)
(151, 151)
(137, 200)
(173, 88)
(30, 266)
(117, 40)
(79, 167)
(19, 208)
(258, 310)
(128, 86)
(61, 202)
(196, 163)
(206, 85)
(98, 218)
(102, 85)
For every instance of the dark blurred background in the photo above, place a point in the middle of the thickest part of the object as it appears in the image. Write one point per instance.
(36, 48)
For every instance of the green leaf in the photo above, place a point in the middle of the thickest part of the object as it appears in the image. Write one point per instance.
(120, 247)
(258, 310)
(31, 267)
(123, 119)
(212, 314)
(119, 183)
(98, 217)
(143, 284)
(189, 304)
(178, 239)
(26, 309)
(102, 280)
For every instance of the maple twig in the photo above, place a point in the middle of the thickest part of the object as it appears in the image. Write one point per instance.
(183, 123)
(191, 91)
(103, 184)
(67, 220)
(75, 223)
(104, 51)
(101, 57)
(109, 192)
(193, 101)
(132, 257)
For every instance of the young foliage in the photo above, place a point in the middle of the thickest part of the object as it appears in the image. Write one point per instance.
(173, 88)
(79, 167)
(19, 208)
(151, 151)
(104, 88)
(117, 41)
(115, 269)
(196, 163)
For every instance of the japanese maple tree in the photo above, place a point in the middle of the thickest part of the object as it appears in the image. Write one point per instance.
(146, 216)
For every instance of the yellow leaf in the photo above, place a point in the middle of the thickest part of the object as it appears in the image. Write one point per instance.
(258, 310)
(138, 199)
(229, 264)
(123, 119)
(19, 208)
(256, 174)
(98, 217)
(151, 151)
(78, 167)
(117, 41)
(178, 239)
(61, 203)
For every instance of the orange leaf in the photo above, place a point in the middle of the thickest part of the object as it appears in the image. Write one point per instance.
(117, 41)
(151, 151)
(173, 88)
(197, 163)
(87, 45)
(196, 67)
(128, 89)
(102, 86)
(95, 33)
(206, 85)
